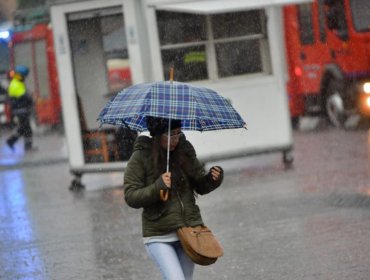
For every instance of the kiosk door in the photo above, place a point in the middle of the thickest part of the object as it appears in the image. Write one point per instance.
(101, 69)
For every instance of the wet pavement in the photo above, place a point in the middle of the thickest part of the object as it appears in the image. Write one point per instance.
(308, 222)
(50, 148)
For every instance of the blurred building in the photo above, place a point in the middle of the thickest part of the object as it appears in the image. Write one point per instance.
(7, 9)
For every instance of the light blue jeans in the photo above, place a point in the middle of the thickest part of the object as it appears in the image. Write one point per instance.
(171, 259)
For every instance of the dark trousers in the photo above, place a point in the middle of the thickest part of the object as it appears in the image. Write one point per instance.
(24, 130)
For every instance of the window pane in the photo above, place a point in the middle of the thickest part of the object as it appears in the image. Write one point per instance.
(42, 69)
(322, 21)
(180, 28)
(236, 58)
(236, 24)
(336, 19)
(115, 52)
(305, 24)
(360, 14)
(23, 55)
(190, 63)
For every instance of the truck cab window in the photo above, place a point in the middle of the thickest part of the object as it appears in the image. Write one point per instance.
(336, 18)
(322, 21)
(360, 14)
(306, 24)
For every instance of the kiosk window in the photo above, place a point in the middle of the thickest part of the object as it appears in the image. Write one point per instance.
(115, 52)
(213, 46)
(245, 59)
(101, 68)
(305, 24)
(183, 40)
(175, 28)
(191, 65)
(236, 24)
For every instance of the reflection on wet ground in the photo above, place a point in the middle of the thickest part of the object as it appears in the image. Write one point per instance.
(309, 222)
(349, 199)
(16, 225)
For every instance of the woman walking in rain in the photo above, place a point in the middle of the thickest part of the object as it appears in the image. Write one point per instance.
(167, 198)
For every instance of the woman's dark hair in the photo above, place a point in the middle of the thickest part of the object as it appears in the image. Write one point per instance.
(158, 126)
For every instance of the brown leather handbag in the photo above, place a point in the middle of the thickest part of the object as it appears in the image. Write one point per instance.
(200, 244)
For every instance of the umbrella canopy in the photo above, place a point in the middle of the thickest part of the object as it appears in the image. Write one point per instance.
(198, 108)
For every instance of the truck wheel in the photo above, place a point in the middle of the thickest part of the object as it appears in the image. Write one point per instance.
(334, 104)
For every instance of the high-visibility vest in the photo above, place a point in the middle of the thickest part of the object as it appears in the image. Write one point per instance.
(195, 57)
(16, 88)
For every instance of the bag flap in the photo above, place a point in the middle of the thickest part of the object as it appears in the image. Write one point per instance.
(201, 240)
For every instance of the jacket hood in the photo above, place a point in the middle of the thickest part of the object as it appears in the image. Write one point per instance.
(143, 143)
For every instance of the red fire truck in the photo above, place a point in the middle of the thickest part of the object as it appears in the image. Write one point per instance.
(328, 56)
(34, 48)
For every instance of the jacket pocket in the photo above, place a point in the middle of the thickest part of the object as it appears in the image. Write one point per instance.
(154, 213)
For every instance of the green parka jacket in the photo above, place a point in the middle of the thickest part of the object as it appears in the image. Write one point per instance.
(142, 190)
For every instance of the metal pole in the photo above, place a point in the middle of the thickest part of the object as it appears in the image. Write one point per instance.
(168, 144)
(169, 127)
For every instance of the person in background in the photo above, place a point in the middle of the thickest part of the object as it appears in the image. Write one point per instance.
(21, 104)
(168, 199)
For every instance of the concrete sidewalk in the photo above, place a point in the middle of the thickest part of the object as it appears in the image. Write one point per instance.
(309, 222)
(51, 148)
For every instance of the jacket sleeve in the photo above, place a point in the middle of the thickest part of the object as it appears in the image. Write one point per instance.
(203, 182)
(137, 194)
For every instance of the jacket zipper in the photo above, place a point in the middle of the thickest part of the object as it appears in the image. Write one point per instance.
(182, 207)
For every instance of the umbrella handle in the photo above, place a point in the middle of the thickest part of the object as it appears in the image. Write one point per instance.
(163, 194)
(171, 73)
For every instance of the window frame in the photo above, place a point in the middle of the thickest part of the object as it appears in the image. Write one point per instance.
(210, 47)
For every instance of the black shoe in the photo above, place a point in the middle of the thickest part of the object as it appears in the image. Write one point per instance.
(10, 142)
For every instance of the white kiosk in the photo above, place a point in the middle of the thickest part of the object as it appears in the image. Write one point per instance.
(235, 47)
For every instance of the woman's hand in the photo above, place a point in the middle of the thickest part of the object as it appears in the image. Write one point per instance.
(166, 177)
(215, 173)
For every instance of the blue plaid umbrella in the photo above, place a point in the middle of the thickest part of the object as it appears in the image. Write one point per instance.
(198, 108)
